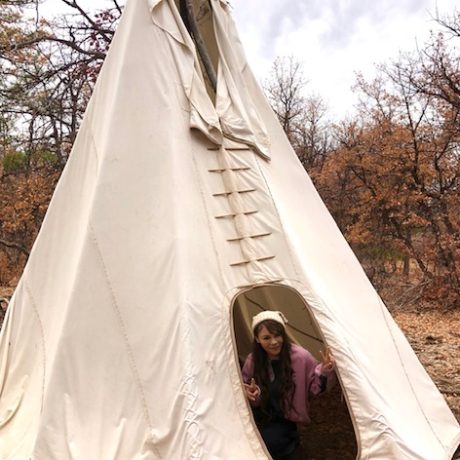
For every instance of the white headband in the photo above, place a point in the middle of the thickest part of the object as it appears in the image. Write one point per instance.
(268, 314)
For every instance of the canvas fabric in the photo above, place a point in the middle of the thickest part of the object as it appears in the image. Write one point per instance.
(118, 343)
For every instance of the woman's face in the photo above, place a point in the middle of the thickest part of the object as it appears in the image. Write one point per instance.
(270, 342)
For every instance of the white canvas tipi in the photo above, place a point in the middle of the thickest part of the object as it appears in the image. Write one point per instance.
(118, 342)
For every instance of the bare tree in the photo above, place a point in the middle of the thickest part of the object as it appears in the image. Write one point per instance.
(303, 117)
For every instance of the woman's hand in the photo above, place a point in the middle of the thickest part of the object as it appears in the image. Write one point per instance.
(252, 390)
(327, 360)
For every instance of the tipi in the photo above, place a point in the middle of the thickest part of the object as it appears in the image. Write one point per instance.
(118, 343)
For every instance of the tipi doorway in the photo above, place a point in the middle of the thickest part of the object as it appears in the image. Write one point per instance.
(331, 434)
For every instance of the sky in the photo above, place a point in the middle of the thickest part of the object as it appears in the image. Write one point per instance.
(333, 39)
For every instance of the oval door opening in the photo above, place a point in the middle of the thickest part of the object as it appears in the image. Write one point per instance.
(330, 435)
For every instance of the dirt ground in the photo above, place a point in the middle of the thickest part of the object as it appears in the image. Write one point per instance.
(435, 337)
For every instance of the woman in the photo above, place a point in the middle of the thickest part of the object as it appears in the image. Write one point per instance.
(278, 379)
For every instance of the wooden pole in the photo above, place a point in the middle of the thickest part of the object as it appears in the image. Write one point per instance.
(188, 15)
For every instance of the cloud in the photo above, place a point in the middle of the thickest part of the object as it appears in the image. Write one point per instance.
(334, 38)
(346, 19)
(335, 21)
(273, 19)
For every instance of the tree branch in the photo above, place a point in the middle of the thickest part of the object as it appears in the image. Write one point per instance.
(12, 245)
(117, 6)
(74, 4)
(190, 20)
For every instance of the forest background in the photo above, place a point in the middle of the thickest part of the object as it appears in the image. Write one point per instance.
(389, 174)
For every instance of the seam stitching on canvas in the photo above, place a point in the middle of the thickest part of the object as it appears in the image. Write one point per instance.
(131, 360)
(42, 336)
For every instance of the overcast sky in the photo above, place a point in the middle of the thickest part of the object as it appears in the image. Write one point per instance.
(332, 38)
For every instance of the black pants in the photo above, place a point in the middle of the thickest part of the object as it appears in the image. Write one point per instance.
(281, 438)
(292, 456)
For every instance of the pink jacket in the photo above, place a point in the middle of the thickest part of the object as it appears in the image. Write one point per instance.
(307, 372)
